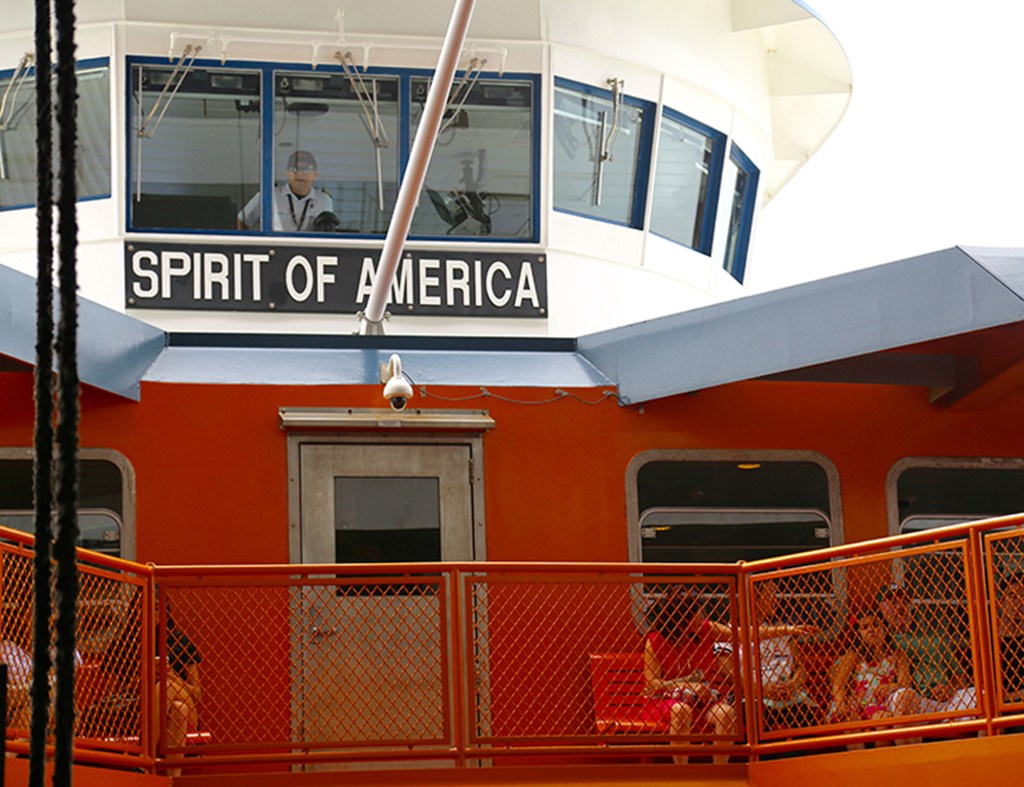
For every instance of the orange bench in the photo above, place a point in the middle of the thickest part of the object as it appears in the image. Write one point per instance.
(618, 685)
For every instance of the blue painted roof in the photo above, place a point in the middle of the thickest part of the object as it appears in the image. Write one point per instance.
(932, 296)
(114, 350)
(355, 366)
(894, 305)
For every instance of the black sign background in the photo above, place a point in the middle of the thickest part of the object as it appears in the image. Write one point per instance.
(226, 277)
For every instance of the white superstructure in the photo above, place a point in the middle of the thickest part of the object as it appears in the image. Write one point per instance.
(603, 164)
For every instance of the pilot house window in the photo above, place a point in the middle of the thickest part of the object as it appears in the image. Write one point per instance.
(196, 147)
(686, 181)
(272, 149)
(18, 134)
(598, 163)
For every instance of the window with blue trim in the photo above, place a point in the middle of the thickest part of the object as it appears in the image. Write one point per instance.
(741, 212)
(18, 134)
(195, 144)
(480, 176)
(348, 126)
(686, 180)
(599, 152)
(325, 151)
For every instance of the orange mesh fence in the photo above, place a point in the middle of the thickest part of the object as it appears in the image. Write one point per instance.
(895, 643)
(896, 638)
(573, 657)
(110, 691)
(1005, 563)
(295, 661)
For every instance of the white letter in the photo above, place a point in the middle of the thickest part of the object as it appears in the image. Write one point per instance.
(367, 276)
(167, 269)
(298, 261)
(403, 283)
(322, 276)
(458, 279)
(138, 290)
(237, 277)
(429, 281)
(527, 287)
(496, 266)
(216, 272)
(257, 283)
(478, 283)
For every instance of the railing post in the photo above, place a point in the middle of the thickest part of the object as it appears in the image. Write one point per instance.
(747, 663)
(461, 713)
(3, 716)
(984, 661)
(150, 726)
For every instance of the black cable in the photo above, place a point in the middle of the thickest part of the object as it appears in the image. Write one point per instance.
(42, 469)
(67, 398)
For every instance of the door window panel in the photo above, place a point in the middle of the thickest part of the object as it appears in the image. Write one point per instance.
(387, 520)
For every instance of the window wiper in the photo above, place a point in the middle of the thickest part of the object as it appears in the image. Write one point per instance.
(608, 139)
(368, 102)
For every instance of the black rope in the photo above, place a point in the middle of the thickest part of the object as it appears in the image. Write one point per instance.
(67, 397)
(43, 467)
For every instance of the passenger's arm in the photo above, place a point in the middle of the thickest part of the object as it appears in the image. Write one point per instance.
(841, 683)
(652, 670)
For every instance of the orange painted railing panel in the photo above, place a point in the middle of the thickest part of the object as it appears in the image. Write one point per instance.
(460, 662)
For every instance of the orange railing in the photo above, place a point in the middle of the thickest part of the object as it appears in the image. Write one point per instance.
(490, 661)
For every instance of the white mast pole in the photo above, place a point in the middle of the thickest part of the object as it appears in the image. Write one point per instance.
(371, 320)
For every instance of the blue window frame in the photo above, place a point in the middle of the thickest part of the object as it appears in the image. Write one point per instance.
(741, 213)
(222, 158)
(601, 153)
(687, 174)
(482, 171)
(18, 135)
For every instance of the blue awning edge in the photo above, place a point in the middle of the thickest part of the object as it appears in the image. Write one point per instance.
(114, 350)
(927, 297)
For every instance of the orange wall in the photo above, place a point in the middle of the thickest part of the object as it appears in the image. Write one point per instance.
(210, 460)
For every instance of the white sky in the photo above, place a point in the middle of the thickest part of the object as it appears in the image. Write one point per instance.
(930, 153)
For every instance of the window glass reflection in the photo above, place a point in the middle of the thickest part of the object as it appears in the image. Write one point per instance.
(480, 175)
(680, 201)
(743, 176)
(347, 129)
(197, 161)
(596, 155)
(18, 137)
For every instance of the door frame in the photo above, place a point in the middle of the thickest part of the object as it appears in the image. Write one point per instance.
(380, 426)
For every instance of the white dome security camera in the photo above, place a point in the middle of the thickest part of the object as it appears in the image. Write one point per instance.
(397, 390)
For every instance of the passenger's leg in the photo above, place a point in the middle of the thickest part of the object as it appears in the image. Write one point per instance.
(680, 722)
(722, 718)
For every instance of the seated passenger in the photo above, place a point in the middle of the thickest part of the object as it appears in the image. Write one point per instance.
(183, 687)
(786, 701)
(1011, 637)
(19, 683)
(297, 204)
(940, 684)
(868, 673)
(682, 679)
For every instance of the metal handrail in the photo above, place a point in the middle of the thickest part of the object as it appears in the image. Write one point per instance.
(518, 580)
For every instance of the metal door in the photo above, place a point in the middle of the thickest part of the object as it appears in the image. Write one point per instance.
(374, 668)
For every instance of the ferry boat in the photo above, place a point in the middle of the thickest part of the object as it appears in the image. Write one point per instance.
(430, 546)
